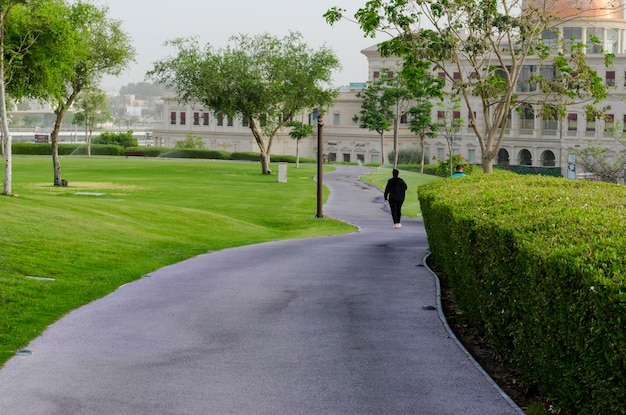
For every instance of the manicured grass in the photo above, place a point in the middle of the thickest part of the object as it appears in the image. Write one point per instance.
(411, 206)
(122, 218)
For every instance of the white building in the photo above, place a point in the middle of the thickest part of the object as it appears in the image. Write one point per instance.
(529, 140)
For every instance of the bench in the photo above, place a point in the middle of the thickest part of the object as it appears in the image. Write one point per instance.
(135, 154)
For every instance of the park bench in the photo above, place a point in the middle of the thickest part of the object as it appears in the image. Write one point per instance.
(135, 154)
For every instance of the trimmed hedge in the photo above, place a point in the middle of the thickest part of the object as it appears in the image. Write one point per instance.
(540, 264)
(45, 149)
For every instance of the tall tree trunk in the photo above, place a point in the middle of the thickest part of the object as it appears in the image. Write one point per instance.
(396, 125)
(265, 155)
(382, 150)
(6, 134)
(422, 149)
(54, 138)
(297, 153)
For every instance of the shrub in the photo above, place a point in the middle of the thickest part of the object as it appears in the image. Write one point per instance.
(540, 264)
(407, 156)
(125, 139)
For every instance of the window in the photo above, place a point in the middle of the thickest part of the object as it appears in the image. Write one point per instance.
(550, 118)
(220, 120)
(183, 116)
(196, 118)
(245, 121)
(456, 76)
(572, 36)
(611, 41)
(572, 122)
(172, 117)
(336, 119)
(527, 117)
(404, 118)
(591, 123)
(376, 75)
(595, 38)
(441, 118)
(624, 124)
(550, 38)
(609, 123)
(440, 153)
(471, 153)
(610, 78)
(523, 83)
(346, 157)
(456, 119)
(230, 121)
(205, 117)
(442, 76)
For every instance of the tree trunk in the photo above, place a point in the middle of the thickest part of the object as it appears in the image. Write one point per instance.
(297, 153)
(396, 125)
(87, 140)
(265, 155)
(6, 134)
(382, 150)
(422, 148)
(54, 139)
(487, 163)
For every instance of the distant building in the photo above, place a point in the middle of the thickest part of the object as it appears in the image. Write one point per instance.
(529, 140)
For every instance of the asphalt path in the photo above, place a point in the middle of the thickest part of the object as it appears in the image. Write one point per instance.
(333, 325)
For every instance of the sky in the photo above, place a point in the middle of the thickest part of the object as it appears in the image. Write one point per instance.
(150, 23)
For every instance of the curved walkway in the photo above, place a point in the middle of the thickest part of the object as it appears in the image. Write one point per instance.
(335, 325)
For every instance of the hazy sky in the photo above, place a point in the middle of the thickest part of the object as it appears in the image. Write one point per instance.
(151, 22)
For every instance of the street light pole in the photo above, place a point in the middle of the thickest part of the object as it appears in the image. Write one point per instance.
(320, 160)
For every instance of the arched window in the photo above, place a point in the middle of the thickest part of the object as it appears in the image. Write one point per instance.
(548, 159)
(503, 157)
(525, 158)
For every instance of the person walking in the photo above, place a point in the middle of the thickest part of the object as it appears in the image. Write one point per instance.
(395, 192)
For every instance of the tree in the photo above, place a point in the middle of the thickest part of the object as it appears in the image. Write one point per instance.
(449, 127)
(263, 79)
(75, 47)
(481, 48)
(190, 141)
(376, 113)
(299, 130)
(9, 53)
(603, 165)
(92, 109)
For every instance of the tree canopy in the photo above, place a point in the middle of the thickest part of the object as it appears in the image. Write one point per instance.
(263, 79)
(481, 48)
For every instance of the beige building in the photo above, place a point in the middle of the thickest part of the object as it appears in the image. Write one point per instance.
(529, 141)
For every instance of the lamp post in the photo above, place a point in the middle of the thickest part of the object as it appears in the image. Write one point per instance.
(320, 135)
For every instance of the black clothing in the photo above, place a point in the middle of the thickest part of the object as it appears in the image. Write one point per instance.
(395, 192)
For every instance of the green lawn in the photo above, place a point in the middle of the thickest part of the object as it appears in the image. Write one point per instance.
(122, 218)
(411, 206)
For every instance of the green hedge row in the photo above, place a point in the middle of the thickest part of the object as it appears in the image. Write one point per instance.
(114, 150)
(540, 264)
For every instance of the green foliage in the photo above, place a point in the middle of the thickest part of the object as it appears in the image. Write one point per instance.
(263, 79)
(45, 149)
(191, 141)
(407, 156)
(299, 130)
(444, 167)
(189, 153)
(121, 139)
(540, 264)
(462, 37)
